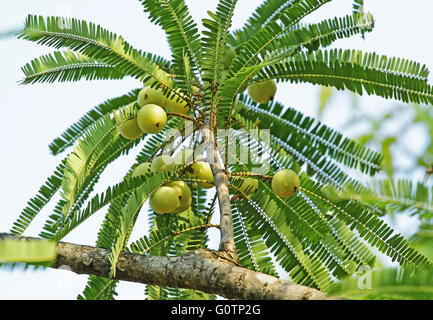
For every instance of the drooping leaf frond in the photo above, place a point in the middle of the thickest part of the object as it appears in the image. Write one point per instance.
(287, 249)
(291, 127)
(99, 147)
(68, 66)
(98, 202)
(252, 251)
(129, 214)
(370, 227)
(92, 41)
(76, 130)
(77, 165)
(36, 204)
(397, 195)
(358, 72)
(99, 288)
(319, 165)
(387, 284)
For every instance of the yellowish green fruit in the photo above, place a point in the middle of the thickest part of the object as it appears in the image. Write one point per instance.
(164, 200)
(285, 183)
(162, 163)
(177, 104)
(202, 170)
(196, 91)
(228, 56)
(184, 193)
(249, 185)
(151, 118)
(184, 156)
(149, 95)
(263, 92)
(129, 129)
(142, 169)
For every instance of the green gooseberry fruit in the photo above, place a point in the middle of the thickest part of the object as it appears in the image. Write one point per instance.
(149, 95)
(285, 183)
(196, 91)
(177, 104)
(263, 92)
(184, 194)
(184, 156)
(162, 163)
(151, 118)
(228, 56)
(202, 170)
(129, 129)
(142, 169)
(164, 200)
(249, 185)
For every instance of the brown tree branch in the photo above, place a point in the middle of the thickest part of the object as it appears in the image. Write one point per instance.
(202, 270)
(221, 181)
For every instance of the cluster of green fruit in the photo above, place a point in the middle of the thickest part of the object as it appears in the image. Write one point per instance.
(175, 196)
(152, 116)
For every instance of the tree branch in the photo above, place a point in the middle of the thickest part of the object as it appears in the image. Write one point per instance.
(202, 270)
(221, 181)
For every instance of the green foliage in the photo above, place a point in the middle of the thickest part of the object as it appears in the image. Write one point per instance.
(68, 66)
(181, 30)
(28, 251)
(76, 130)
(312, 140)
(358, 72)
(388, 284)
(319, 236)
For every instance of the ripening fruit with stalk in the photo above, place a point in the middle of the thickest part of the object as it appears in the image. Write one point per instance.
(142, 169)
(151, 118)
(285, 183)
(129, 129)
(162, 163)
(164, 200)
(202, 170)
(184, 156)
(248, 185)
(177, 104)
(184, 194)
(263, 91)
(228, 56)
(149, 95)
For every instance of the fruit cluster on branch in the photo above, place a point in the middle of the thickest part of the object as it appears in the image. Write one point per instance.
(151, 118)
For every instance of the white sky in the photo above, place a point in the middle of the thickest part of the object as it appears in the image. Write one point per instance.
(35, 115)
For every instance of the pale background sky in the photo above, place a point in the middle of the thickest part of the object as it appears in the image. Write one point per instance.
(34, 115)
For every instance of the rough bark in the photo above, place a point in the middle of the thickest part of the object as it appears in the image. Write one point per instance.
(221, 180)
(204, 270)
